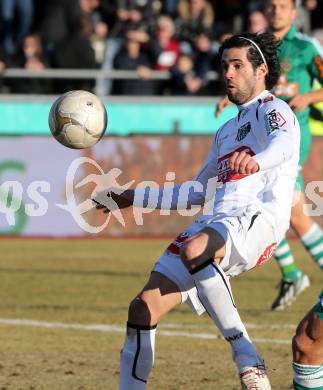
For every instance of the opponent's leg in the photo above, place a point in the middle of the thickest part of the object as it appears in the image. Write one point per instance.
(309, 232)
(285, 260)
(293, 282)
(308, 350)
(200, 254)
(158, 297)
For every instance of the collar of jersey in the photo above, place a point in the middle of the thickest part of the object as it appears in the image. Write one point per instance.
(255, 99)
(291, 33)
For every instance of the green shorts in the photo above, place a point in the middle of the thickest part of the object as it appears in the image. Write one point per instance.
(306, 139)
(305, 147)
(318, 308)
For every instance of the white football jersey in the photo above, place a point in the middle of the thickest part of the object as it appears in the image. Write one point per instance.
(267, 129)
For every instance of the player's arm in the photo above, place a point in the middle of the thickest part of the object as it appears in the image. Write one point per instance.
(186, 195)
(220, 106)
(178, 196)
(278, 130)
(315, 69)
(303, 100)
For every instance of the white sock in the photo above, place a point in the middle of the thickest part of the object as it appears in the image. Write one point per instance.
(215, 294)
(308, 377)
(137, 357)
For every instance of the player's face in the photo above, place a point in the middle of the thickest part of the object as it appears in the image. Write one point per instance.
(243, 83)
(280, 14)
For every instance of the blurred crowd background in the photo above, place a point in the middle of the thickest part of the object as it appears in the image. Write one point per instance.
(178, 36)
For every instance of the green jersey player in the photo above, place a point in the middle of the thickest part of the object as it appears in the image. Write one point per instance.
(301, 61)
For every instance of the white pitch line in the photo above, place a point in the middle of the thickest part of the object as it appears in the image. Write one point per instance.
(247, 325)
(121, 329)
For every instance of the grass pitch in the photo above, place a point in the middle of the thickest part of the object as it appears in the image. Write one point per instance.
(83, 282)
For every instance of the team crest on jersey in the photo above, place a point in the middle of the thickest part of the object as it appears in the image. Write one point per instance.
(285, 65)
(273, 121)
(243, 131)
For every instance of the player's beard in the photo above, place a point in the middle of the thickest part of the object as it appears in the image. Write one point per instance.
(241, 96)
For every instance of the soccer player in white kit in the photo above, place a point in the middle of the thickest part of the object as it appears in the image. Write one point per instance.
(255, 158)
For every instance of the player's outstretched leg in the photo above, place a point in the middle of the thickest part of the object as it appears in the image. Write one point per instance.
(293, 282)
(308, 350)
(158, 297)
(215, 293)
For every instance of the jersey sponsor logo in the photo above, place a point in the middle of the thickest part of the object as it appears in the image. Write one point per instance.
(273, 121)
(243, 131)
(176, 245)
(318, 61)
(267, 253)
(224, 171)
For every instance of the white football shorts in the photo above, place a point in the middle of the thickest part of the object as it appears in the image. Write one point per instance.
(250, 241)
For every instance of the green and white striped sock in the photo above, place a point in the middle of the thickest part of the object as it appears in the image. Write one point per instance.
(308, 377)
(313, 242)
(285, 260)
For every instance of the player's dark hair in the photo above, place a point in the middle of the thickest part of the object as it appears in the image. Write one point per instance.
(267, 43)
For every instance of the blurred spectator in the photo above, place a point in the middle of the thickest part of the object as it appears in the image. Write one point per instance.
(134, 14)
(2, 61)
(315, 8)
(170, 8)
(184, 78)
(131, 57)
(131, 15)
(309, 15)
(303, 20)
(257, 21)
(98, 36)
(195, 17)
(32, 58)
(2, 67)
(164, 48)
(204, 55)
(14, 30)
(67, 30)
(217, 87)
(229, 15)
(108, 11)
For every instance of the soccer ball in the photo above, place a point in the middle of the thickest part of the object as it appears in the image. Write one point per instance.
(78, 119)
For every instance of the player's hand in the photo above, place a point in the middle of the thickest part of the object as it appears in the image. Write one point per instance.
(300, 102)
(108, 201)
(242, 162)
(221, 105)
